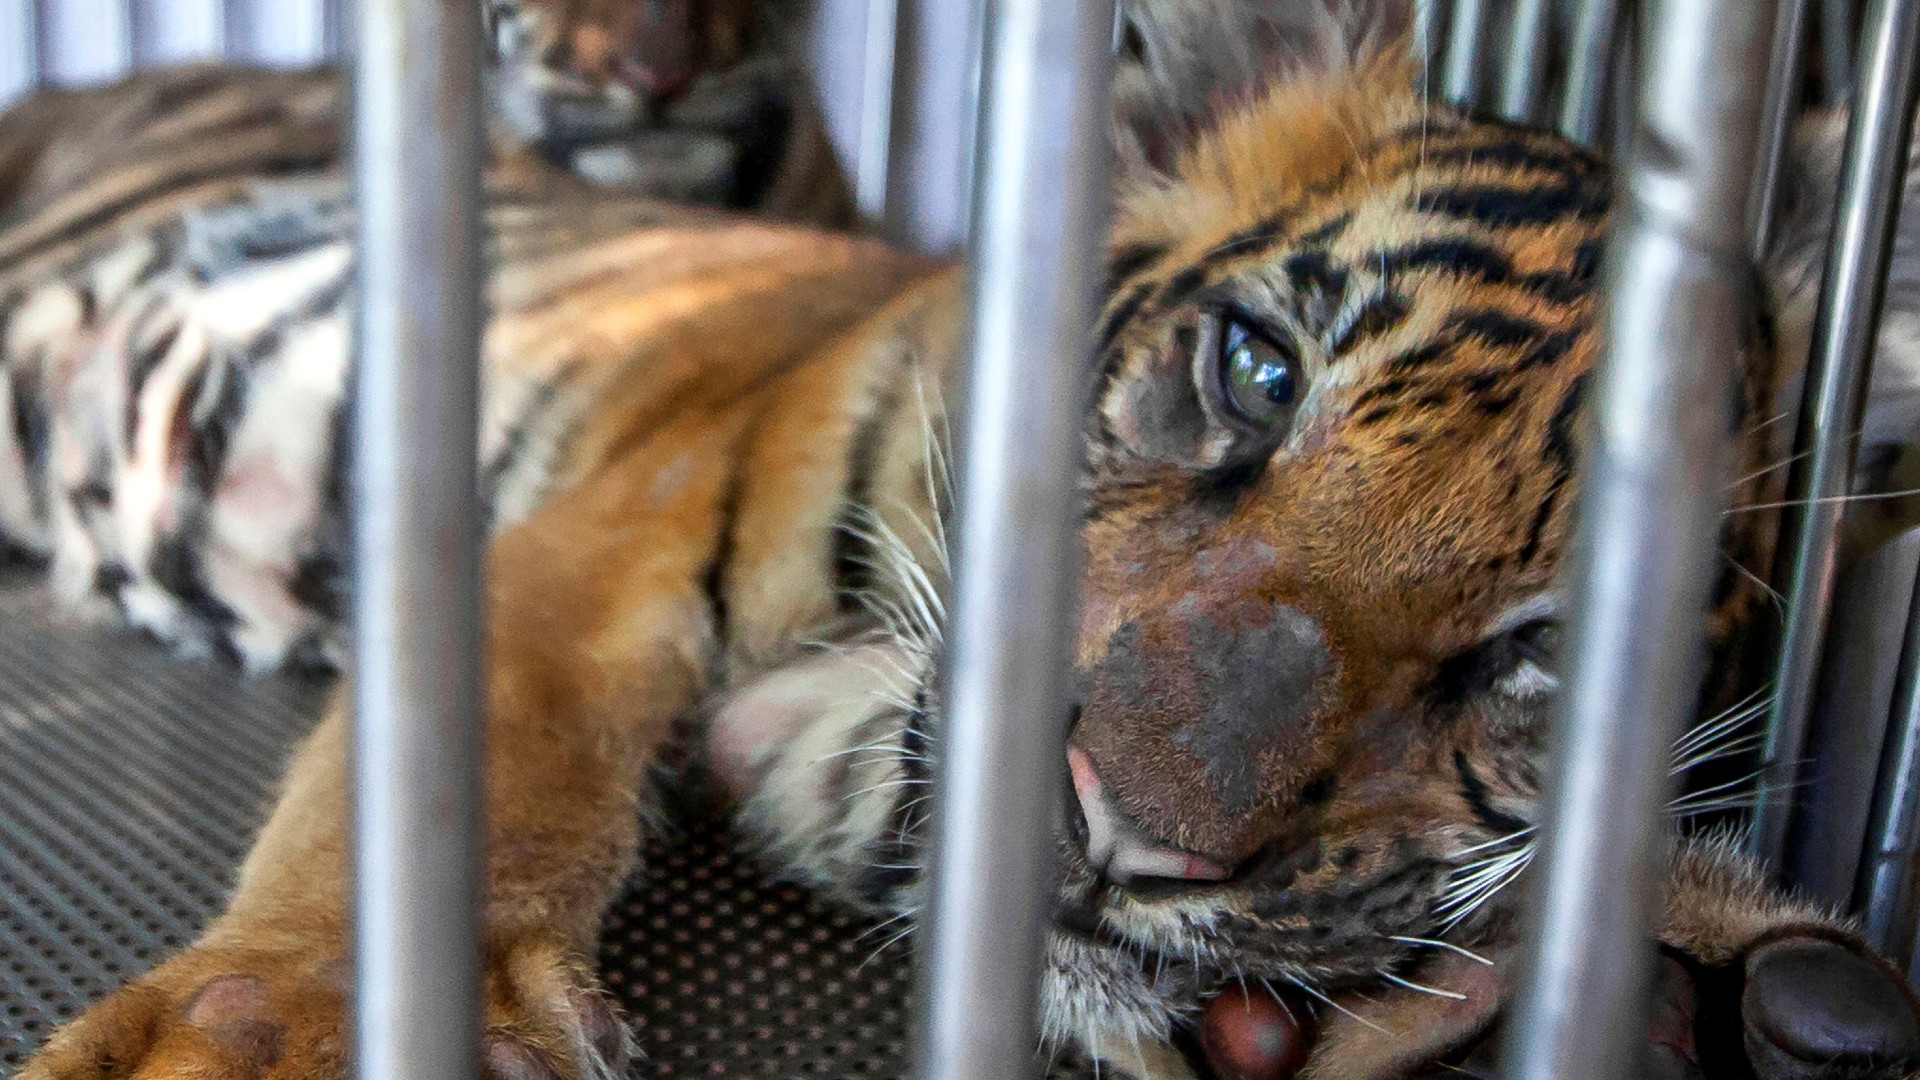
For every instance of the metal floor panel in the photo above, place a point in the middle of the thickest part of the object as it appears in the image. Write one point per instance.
(131, 783)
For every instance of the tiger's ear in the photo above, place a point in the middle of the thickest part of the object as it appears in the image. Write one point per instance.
(1181, 64)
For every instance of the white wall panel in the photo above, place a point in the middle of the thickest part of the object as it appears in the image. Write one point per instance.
(285, 33)
(18, 69)
(172, 31)
(84, 41)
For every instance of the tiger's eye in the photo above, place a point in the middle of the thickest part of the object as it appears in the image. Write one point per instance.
(1539, 641)
(1261, 380)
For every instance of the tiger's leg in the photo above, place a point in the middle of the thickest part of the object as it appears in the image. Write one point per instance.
(598, 636)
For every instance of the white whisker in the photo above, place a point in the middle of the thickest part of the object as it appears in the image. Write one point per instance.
(1447, 945)
(1411, 985)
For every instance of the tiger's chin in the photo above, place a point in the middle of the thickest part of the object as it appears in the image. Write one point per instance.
(1124, 1007)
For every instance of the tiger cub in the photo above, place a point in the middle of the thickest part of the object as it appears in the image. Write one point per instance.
(1340, 379)
(697, 101)
(127, 189)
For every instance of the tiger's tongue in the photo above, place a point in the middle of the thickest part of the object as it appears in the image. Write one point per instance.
(1255, 1036)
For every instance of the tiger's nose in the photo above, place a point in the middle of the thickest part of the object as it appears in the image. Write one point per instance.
(1116, 846)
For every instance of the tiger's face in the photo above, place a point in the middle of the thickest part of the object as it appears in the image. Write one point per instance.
(1331, 472)
(1332, 469)
(1332, 463)
(569, 73)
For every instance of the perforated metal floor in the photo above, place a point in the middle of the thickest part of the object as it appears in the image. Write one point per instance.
(131, 783)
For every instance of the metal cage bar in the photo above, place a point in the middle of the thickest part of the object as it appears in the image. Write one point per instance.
(1523, 81)
(1460, 79)
(1845, 326)
(1040, 211)
(1675, 315)
(1837, 39)
(872, 155)
(417, 537)
(930, 119)
(1429, 34)
(1885, 889)
(1782, 106)
(1590, 65)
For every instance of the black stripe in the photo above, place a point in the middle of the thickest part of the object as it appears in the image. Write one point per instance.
(1325, 234)
(852, 556)
(32, 430)
(1261, 234)
(1377, 315)
(1460, 255)
(1313, 270)
(1128, 260)
(1560, 454)
(1548, 350)
(1520, 154)
(714, 578)
(1183, 285)
(1119, 315)
(1416, 358)
(1497, 328)
(320, 580)
(1504, 207)
(175, 563)
(140, 367)
(513, 444)
(1474, 791)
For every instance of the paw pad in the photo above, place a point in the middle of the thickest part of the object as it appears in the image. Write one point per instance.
(1812, 1004)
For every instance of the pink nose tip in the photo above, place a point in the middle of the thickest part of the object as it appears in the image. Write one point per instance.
(660, 84)
(1117, 847)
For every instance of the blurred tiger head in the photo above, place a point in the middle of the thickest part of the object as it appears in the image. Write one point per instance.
(570, 73)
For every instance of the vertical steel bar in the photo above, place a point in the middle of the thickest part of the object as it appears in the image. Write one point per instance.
(1678, 306)
(880, 38)
(417, 535)
(1524, 78)
(1429, 34)
(1782, 108)
(337, 29)
(1846, 323)
(936, 78)
(1040, 208)
(1593, 54)
(1461, 83)
(1885, 891)
(1837, 39)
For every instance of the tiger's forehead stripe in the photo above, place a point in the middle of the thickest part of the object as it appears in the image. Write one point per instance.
(1487, 176)
(1515, 213)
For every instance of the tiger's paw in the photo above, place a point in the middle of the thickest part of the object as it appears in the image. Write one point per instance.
(1803, 1003)
(233, 1013)
(1797, 1004)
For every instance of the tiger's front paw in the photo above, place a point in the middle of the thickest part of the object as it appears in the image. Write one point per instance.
(1802, 1003)
(1798, 1004)
(232, 1012)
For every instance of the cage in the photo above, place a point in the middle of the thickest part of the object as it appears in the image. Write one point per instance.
(131, 782)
